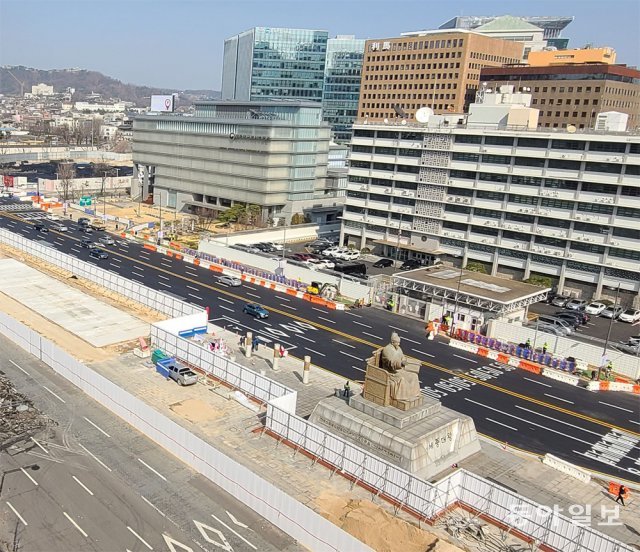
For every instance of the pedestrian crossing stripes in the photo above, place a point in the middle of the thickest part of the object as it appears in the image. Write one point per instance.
(16, 207)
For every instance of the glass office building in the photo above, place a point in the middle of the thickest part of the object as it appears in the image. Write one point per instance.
(274, 63)
(341, 90)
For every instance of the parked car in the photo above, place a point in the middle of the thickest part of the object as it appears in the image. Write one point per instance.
(595, 308)
(576, 304)
(410, 264)
(560, 300)
(334, 251)
(573, 317)
(264, 247)
(40, 227)
(256, 310)
(97, 253)
(349, 255)
(86, 242)
(612, 312)
(554, 321)
(181, 374)
(275, 246)
(630, 315)
(383, 263)
(231, 281)
(548, 328)
(59, 228)
(106, 240)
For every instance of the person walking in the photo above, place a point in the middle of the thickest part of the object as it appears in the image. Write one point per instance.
(622, 490)
(243, 340)
(346, 393)
(254, 344)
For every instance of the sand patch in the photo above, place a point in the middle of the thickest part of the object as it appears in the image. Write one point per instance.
(195, 411)
(376, 527)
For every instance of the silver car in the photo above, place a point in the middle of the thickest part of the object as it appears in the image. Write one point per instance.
(106, 240)
(230, 281)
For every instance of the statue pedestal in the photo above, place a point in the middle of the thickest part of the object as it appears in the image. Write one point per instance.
(423, 440)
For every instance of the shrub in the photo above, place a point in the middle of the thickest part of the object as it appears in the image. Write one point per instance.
(474, 266)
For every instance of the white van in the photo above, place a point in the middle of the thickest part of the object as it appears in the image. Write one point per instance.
(556, 322)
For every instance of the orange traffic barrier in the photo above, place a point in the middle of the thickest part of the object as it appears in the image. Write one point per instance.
(503, 358)
(291, 291)
(215, 268)
(529, 366)
(147, 246)
(604, 386)
(196, 262)
(636, 389)
(482, 351)
(331, 305)
(614, 489)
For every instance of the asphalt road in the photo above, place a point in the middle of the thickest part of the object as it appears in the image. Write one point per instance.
(511, 406)
(93, 483)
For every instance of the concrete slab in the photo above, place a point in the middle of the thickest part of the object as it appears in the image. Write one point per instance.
(92, 320)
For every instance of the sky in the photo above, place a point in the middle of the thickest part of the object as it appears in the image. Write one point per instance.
(179, 44)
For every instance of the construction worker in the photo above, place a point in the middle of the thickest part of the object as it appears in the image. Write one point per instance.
(609, 369)
(544, 348)
(527, 345)
(390, 304)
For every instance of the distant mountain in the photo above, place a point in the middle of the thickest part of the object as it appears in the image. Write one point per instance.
(87, 82)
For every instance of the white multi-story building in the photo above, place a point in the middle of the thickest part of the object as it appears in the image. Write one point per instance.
(522, 201)
(42, 90)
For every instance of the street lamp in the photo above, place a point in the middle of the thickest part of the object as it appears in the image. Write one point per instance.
(399, 236)
(455, 307)
(606, 343)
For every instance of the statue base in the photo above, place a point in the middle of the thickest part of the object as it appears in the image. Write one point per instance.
(424, 441)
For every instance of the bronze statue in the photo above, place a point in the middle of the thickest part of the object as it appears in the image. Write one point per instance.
(404, 382)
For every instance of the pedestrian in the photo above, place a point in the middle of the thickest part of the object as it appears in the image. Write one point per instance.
(254, 344)
(390, 304)
(430, 330)
(609, 368)
(282, 351)
(544, 348)
(621, 492)
(347, 392)
(243, 340)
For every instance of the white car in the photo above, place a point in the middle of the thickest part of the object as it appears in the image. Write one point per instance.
(60, 228)
(52, 216)
(595, 308)
(630, 315)
(231, 281)
(331, 251)
(276, 246)
(350, 255)
(339, 252)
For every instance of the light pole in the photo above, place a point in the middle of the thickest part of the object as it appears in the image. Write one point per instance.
(104, 197)
(399, 236)
(606, 343)
(455, 306)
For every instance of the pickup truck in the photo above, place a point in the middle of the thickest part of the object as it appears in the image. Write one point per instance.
(181, 374)
(97, 225)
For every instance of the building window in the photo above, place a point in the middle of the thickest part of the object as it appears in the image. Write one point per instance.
(517, 217)
(526, 180)
(597, 208)
(562, 184)
(523, 200)
(629, 212)
(554, 242)
(557, 204)
(488, 213)
(599, 188)
(468, 139)
(454, 173)
(491, 177)
(460, 156)
(610, 168)
(624, 253)
(529, 162)
(460, 191)
(496, 159)
(533, 143)
(564, 164)
(554, 222)
(498, 140)
(588, 247)
(518, 236)
(361, 149)
(568, 144)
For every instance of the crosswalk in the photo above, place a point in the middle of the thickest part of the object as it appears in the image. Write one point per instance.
(31, 215)
(15, 207)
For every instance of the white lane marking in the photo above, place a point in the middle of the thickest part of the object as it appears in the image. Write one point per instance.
(193, 288)
(285, 299)
(82, 485)
(138, 267)
(558, 398)
(614, 406)
(352, 356)
(306, 338)
(320, 310)
(371, 335)
(235, 520)
(399, 329)
(95, 457)
(29, 476)
(316, 352)
(153, 506)
(163, 277)
(36, 442)
(140, 538)
(77, 249)
(248, 286)
(352, 314)
(234, 532)
(467, 359)
(530, 422)
(114, 266)
(327, 320)
(19, 368)
(137, 274)
(17, 514)
(195, 296)
(361, 324)
(116, 260)
(59, 242)
(572, 425)
(254, 295)
(359, 369)
(226, 308)
(165, 285)
(98, 428)
(138, 281)
(225, 300)
(75, 524)
(225, 317)
(343, 343)
(154, 471)
(260, 321)
(411, 340)
(500, 423)
(165, 261)
(634, 422)
(287, 306)
(423, 353)
(538, 382)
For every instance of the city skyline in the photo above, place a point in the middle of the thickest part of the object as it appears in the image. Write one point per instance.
(180, 45)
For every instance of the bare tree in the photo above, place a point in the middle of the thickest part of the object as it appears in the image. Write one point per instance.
(66, 174)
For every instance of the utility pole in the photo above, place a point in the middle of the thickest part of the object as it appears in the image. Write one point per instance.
(104, 198)
(606, 343)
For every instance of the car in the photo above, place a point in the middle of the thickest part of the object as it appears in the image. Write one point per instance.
(328, 263)
(83, 221)
(97, 253)
(230, 281)
(410, 264)
(40, 227)
(572, 317)
(560, 300)
(349, 255)
(181, 374)
(275, 246)
(264, 247)
(548, 328)
(255, 310)
(59, 228)
(612, 312)
(595, 308)
(106, 240)
(86, 230)
(383, 263)
(86, 242)
(630, 315)
(331, 250)
(576, 304)
(52, 216)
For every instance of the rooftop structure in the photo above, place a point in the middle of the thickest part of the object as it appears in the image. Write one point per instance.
(551, 25)
(575, 55)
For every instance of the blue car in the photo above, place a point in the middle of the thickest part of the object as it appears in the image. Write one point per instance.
(97, 253)
(256, 310)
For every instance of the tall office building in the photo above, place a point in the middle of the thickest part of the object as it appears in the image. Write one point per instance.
(342, 72)
(492, 188)
(438, 69)
(274, 63)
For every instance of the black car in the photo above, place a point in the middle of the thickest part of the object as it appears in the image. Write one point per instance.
(410, 264)
(40, 227)
(97, 253)
(83, 221)
(86, 242)
(576, 317)
(383, 263)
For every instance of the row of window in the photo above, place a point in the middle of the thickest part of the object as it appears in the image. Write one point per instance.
(418, 66)
(411, 45)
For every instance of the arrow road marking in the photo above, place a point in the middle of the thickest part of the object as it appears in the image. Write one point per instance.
(233, 518)
(234, 532)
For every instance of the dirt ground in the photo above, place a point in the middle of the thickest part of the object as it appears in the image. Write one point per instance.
(195, 411)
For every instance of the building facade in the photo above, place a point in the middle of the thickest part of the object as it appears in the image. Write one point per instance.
(271, 154)
(574, 94)
(274, 63)
(437, 69)
(577, 55)
(552, 26)
(517, 29)
(522, 203)
(341, 89)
